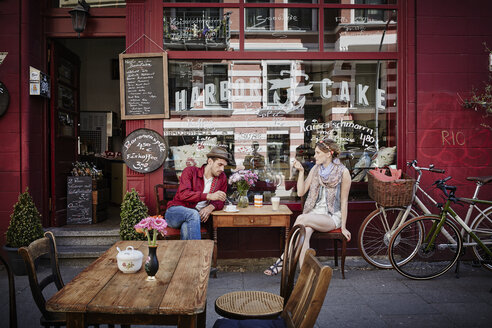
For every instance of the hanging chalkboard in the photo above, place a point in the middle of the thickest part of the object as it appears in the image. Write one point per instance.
(143, 86)
(144, 150)
(79, 200)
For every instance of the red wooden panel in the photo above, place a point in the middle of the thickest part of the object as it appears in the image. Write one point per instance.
(10, 142)
(96, 27)
(10, 182)
(9, 198)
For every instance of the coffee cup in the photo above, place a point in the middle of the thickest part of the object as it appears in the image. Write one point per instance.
(275, 203)
(258, 200)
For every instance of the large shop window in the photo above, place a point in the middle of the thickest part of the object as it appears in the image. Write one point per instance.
(268, 112)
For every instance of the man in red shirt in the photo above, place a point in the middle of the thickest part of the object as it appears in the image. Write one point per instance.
(201, 191)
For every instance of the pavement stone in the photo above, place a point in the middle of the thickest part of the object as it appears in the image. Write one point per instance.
(368, 297)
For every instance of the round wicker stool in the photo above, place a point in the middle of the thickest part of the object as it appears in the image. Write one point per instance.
(249, 304)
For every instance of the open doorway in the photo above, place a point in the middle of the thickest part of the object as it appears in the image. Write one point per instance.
(86, 131)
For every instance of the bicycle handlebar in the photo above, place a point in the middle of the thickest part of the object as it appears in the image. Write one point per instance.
(441, 184)
(431, 167)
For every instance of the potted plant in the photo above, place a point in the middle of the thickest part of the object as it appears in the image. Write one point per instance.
(24, 228)
(132, 211)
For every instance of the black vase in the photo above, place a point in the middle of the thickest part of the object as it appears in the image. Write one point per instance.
(151, 264)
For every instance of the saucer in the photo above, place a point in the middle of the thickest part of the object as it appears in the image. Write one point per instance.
(233, 211)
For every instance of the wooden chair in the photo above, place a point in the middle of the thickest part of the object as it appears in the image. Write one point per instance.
(161, 200)
(258, 304)
(12, 302)
(38, 248)
(304, 305)
(337, 236)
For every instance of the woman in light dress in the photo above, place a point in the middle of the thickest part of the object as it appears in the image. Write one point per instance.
(326, 204)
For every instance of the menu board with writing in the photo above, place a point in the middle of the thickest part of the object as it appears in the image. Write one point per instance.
(144, 150)
(143, 86)
(79, 200)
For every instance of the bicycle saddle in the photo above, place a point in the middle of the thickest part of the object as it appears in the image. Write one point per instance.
(482, 180)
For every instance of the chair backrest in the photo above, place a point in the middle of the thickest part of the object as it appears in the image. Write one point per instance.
(30, 254)
(306, 299)
(162, 196)
(292, 253)
(12, 302)
(160, 201)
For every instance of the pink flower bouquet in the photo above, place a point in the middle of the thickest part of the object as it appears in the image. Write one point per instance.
(156, 224)
(242, 180)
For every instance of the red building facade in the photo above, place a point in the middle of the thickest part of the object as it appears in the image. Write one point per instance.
(387, 74)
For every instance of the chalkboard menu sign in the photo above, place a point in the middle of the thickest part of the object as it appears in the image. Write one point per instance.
(144, 150)
(143, 86)
(79, 200)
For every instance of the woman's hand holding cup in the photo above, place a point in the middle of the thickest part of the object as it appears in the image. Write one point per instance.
(298, 166)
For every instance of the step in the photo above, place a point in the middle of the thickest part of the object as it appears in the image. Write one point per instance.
(86, 237)
(80, 255)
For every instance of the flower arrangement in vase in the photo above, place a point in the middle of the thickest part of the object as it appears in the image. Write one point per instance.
(155, 224)
(243, 180)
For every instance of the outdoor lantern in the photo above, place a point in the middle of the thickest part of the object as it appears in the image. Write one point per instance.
(79, 16)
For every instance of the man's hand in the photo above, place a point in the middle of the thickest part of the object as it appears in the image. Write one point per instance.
(205, 212)
(218, 195)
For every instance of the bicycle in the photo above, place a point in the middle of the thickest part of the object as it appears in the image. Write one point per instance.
(379, 226)
(431, 244)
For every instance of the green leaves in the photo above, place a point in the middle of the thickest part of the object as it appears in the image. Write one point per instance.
(25, 222)
(132, 211)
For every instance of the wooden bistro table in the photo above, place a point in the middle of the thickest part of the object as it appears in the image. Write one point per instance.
(251, 217)
(103, 294)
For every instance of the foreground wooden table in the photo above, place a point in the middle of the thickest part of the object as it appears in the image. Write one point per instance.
(103, 294)
(251, 217)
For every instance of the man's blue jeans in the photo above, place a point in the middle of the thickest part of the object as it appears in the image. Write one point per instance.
(188, 219)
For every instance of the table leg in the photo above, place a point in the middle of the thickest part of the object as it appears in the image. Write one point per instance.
(76, 320)
(284, 241)
(187, 321)
(202, 318)
(214, 255)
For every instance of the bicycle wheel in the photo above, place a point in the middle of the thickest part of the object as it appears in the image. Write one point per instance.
(375, 233)
(482, 227)
(424, 258)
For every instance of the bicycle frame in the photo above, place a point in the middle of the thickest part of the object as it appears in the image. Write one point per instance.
(401, 218)
(447, 210)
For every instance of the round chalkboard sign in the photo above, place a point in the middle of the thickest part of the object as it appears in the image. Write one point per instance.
(4, 99)
(144, 150)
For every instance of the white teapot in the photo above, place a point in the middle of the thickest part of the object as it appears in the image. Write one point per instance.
(129, 260)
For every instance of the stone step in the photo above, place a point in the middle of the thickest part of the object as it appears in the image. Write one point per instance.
(80, 255)
(86, 237)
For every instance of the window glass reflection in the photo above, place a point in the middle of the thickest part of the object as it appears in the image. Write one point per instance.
(360, 30)
(196, 28)
(281, 29)
(268, 112)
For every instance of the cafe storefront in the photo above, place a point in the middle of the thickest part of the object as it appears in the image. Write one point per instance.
(267, 80)
(264, 78)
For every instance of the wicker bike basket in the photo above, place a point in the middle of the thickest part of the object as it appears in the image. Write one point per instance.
(398, 192)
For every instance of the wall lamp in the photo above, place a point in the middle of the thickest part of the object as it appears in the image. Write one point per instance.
(79, 16)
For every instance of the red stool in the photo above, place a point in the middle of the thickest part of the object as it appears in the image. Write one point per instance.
(337, 236)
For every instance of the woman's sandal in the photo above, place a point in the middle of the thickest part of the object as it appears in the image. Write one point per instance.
(276, 267)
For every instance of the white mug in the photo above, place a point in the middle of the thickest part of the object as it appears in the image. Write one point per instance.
(275, 203)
